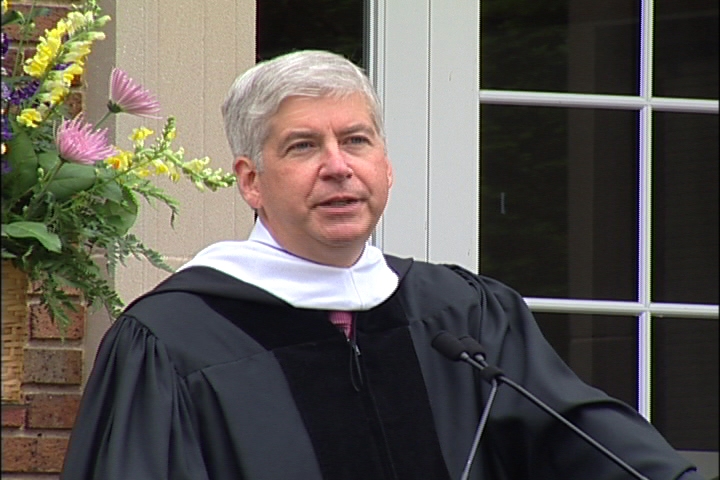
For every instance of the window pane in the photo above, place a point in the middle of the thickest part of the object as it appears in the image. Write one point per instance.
(559, 201)
(334, 25)
(685, 208)
(601, 350)
(560, 45)
(685, 382)
(686, 48)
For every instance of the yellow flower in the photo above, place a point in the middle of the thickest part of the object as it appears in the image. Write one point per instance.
(93, 36)
(55, 89)
(196, 165)
(5, 6)
(160, 167)
(140, 134)
(77, 52)
(58, 94)
(60, 30)
(37, 66)
(122, 161)
(29, 117)
(75, 21)
(72, 71)
(142, 172)
(47, 50)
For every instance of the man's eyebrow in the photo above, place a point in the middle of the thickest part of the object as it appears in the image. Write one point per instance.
(308, 133)
(297, 134)
(358, 128)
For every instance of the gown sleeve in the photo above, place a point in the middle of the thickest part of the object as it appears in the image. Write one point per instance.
(136, 417)
(550, 450)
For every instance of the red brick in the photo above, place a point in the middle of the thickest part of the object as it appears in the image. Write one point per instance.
(46, 22)
(35, 287)
(75, 103)
(51, 454)
(18, 454)
(52, 410)
(53, 365)
(10, 57)
(14, 415)
(42, 325)
(33, 454)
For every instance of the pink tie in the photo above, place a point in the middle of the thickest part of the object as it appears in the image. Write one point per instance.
(342, 320)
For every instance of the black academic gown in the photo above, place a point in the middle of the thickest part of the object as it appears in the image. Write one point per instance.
(207, 377)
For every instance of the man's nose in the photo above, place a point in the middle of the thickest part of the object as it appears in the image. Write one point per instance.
(335, 162)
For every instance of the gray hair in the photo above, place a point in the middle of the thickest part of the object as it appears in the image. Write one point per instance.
(256, 95)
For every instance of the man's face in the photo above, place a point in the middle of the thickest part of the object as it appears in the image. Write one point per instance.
(325, 178)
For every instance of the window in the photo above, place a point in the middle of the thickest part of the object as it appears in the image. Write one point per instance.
(612, 198)
(288, 25)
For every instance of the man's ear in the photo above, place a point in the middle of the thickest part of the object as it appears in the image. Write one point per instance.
(389, 173)
(247, 181)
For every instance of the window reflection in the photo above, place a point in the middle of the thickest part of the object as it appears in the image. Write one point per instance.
(559, 201)
(334, 25)
(685, 382)
(580, 46)
(686, 48)
(601, 350)
(685, 208)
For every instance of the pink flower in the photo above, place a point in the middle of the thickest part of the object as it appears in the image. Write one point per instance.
(130, 97)
(77, 142)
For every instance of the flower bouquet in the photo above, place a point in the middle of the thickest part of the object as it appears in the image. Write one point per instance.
(68, 195)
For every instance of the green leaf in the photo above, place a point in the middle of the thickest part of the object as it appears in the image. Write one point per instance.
(120, 214)
(112, 191)
(11, 17)
(23, 164)
(34, 230)
(48, 160)
(71, 179)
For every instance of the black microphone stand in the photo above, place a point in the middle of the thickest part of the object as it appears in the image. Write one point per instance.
(480, 428)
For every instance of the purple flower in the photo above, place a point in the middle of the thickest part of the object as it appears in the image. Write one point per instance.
(23, 93)
(130, 97)
(6, 167)
(5, 92)
(4, 44)
(77, 142)
(5, 130)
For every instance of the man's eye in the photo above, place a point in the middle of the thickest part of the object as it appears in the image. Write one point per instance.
(299, 146)
(357, 140)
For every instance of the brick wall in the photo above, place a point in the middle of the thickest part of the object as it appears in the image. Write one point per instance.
(35, 430)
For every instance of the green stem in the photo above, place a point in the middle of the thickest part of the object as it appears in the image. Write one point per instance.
(20, 58)
(36, 198)
(102, 120)
(116, 175)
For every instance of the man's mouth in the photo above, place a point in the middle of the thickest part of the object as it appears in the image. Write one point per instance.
(339, 203)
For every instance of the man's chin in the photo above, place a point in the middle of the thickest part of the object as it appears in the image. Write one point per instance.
(343, 236)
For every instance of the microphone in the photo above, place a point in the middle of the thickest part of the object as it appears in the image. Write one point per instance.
(469, 350)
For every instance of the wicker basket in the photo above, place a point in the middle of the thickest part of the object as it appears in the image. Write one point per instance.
(15, 326)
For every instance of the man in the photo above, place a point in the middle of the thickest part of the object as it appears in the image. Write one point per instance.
(304, 353)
